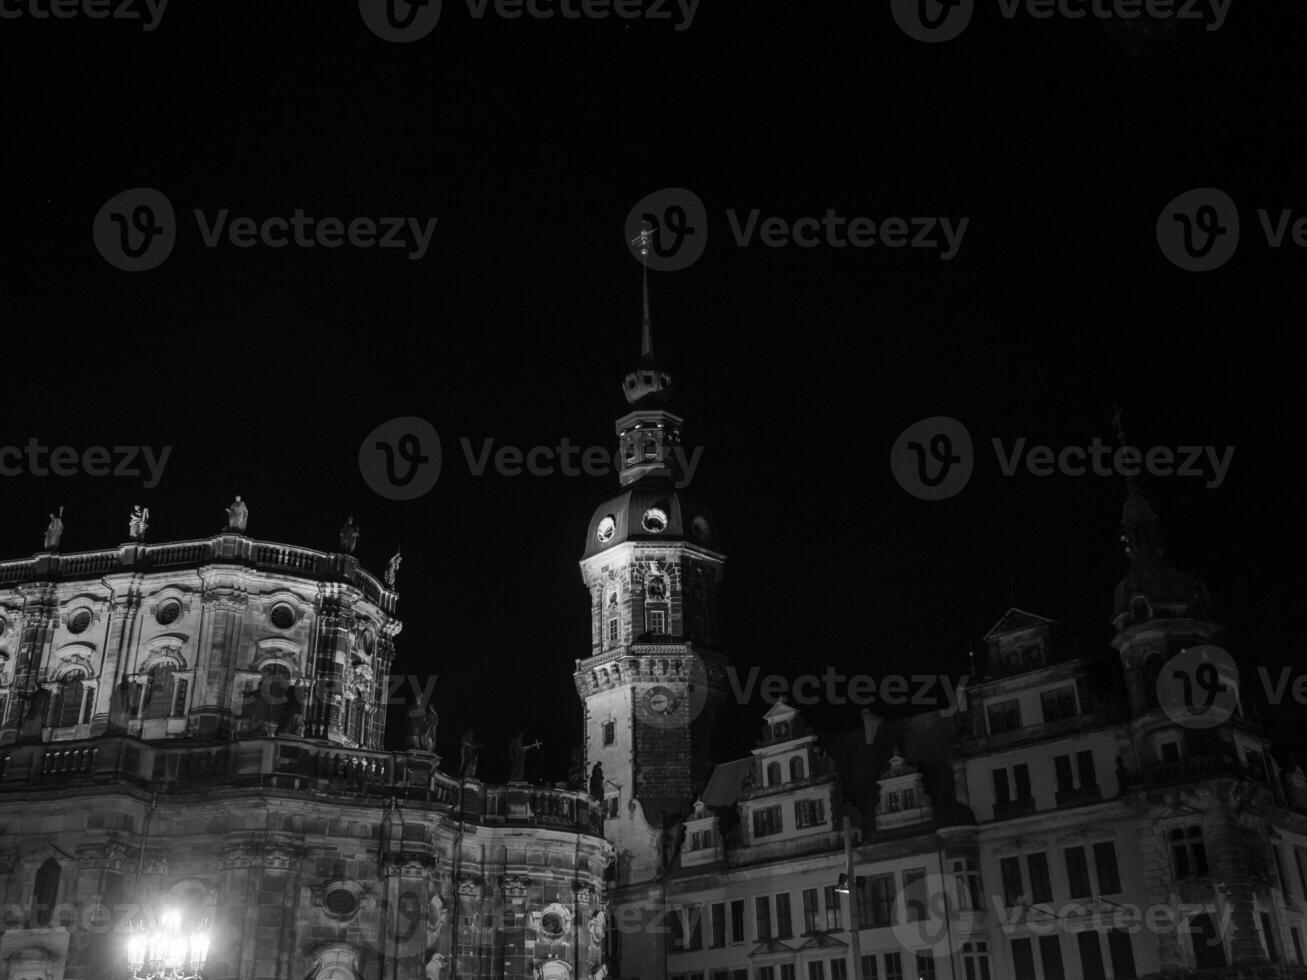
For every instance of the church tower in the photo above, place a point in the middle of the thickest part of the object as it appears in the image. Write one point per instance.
(653, 678)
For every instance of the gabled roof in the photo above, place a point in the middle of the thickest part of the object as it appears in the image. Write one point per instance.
(822, 940)
(1015, 620)
(772, 947)
(780, 711)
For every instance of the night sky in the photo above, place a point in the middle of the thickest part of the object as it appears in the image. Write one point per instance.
(530, 140)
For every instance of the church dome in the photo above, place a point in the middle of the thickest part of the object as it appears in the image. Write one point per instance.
(652, 509)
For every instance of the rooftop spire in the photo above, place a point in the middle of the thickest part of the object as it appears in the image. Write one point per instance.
(1139, 532)
(644, 239)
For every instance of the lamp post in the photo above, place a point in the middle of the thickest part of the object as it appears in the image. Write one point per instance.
(848, 884)
(167, 952)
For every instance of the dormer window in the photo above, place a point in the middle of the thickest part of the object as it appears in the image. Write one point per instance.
(773, 774)
(796, 767)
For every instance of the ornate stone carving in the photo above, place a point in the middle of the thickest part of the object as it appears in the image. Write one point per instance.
(515, 886)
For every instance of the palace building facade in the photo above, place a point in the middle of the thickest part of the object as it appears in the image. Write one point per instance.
(193, 782)
(1084, 814)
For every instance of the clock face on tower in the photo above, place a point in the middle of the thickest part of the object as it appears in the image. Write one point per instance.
(660, 701)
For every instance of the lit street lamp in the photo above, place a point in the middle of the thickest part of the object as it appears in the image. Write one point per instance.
(166, 952)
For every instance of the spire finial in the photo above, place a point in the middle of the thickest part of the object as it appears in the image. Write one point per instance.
(644, 240)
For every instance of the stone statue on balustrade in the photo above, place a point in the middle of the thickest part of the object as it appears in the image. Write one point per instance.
(54, 531)
(468, 758)
(237, 515)
(349, 536)
(139, 523)
(422, 723)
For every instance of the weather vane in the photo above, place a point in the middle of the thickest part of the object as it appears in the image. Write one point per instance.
(644, 239)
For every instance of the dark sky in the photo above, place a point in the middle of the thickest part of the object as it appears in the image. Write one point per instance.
(530, 140)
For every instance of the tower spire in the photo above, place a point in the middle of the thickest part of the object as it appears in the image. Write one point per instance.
(1139, 532)
(644, 239)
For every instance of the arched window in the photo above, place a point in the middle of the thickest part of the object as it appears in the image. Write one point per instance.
(72, 702)
(796, 767)
(165, 693)
(773, 773)
(45, 893)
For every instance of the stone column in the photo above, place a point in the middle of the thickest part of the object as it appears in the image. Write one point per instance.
(1235, 883)
(38, 620)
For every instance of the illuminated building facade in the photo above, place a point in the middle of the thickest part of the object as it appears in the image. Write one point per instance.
(194, 775)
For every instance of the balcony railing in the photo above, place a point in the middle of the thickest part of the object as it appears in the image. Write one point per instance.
(292, 766)
(1079, 797)
(1014, 808)
(221, 548)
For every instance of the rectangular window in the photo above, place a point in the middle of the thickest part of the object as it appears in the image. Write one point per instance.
(178, 701)
(1091, 955)
(1122, 954)
(893, 966)
(1077, 872)
(762, 917)
(1001, 794)
(656, 621)
(882, 900)
(1296, 936)
(1062, 770)
(1059, 704)
(1170, 751)
(1188, 851)
(612, 631)
(869, 971)
(816, 970)
(787, 971)
(766, 973)
(1272, 947)
(737, 921)
(767, 822)
(1010, 869)
(1050, 954)
(975, 959)
(611, 806)
(1021, 776)
(1004, 717)
(809, 813)
(1085, 766)
(1023, 960)
(695, 918)
(914, 894)
(968, 879)
(925, 966)
(809, 910)
(1209, 950)
(833, 909)
(719, 924)
(1109, 878)
(839, 970)
(1041, 889)
(610, 732)
(784, 927)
